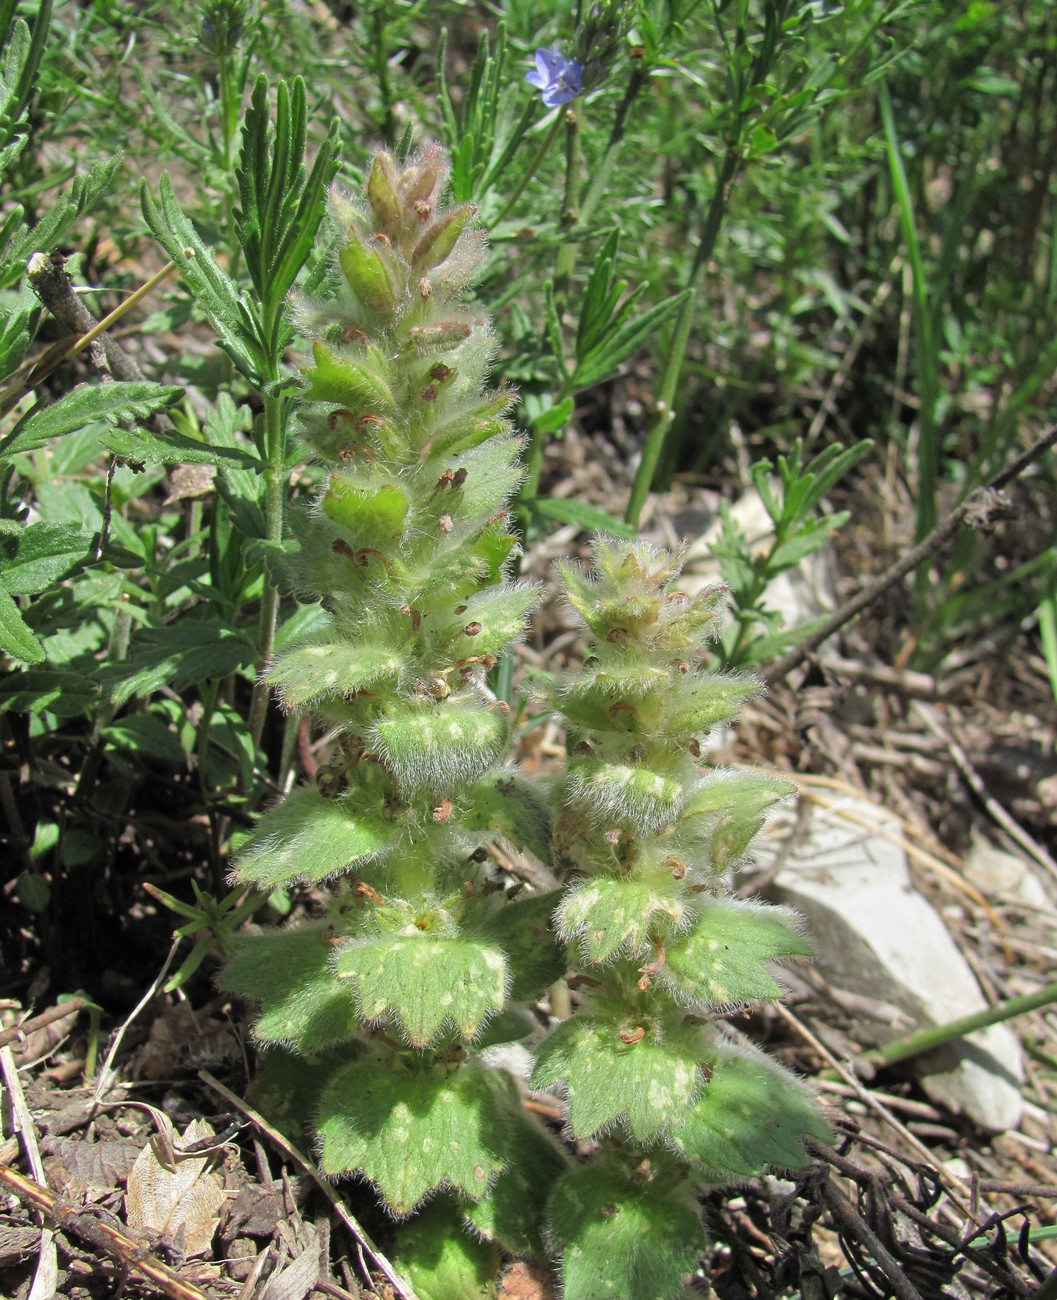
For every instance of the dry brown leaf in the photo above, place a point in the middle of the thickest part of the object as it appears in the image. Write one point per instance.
(76, 1166)
(16, 1244)
(182, 1039)
(255, 1212)
(180, 1205)
(189, 481)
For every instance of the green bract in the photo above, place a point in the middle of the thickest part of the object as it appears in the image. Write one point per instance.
(389, 1005)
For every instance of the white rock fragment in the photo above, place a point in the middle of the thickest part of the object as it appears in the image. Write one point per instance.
(875, 935)
(1005, 876)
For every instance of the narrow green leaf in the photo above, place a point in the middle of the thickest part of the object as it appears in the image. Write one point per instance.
(146, 736)
(235, 321)
(39, 690)
(178, 655)
(619, 345)
(171, 448)
(579, 513)
(88, 404)
(65, 210)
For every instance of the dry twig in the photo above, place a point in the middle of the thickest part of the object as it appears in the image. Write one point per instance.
(96, 1232)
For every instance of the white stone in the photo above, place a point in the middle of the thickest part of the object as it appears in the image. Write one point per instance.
(1005, 876)
(876, 936)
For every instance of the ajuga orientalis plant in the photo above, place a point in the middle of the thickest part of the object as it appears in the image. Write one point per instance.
(379, 1013)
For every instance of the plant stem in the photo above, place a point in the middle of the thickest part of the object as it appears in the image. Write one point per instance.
(275, 455)
(533, 167)
(381, 69)
(584, 209)
(651, 452)
(923, 1040)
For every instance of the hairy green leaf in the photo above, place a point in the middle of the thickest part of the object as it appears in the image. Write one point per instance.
(45, 553)
(750, 1116)
(291, 973)
(615, 917)
(87, 404)
(644, 1084)
(425, 983)
(177, 655)
(16, 639)
(624, 1234)
(308, 837)
(441, 1260)
(322, 666)
(721, 963)
(412, 1128)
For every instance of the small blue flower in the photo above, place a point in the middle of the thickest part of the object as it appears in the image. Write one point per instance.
(559, 78)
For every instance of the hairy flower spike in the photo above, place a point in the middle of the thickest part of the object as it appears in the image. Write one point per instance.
(405, 548)
(646, 840)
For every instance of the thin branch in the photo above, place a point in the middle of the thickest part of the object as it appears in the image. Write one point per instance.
(96, 1232)
(52, 284)
(979, 507)
(18, 1033)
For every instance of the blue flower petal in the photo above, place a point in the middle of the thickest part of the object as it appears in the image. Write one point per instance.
(560, 79)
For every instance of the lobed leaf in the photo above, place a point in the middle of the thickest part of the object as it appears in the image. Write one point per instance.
(178, 655)
(235, 321)
(645, 1085)
(613, 917)
(40, 690)
(622, 1235)
(751, 1115)
(412, 1129)
(721, 963)
(425, 984)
